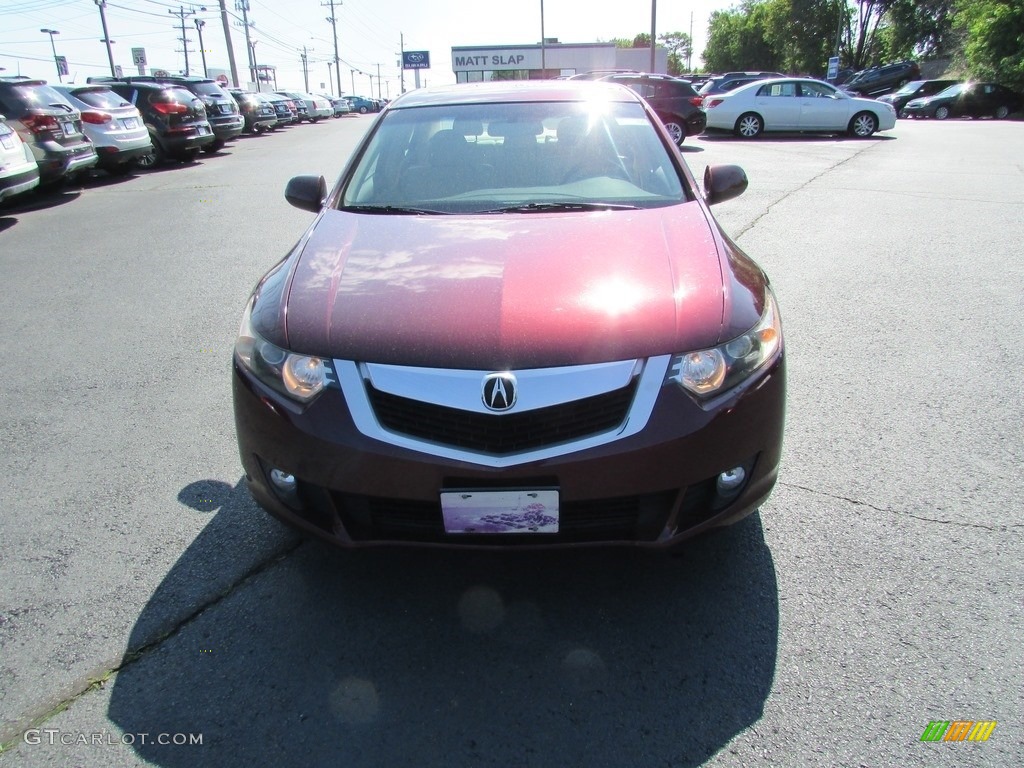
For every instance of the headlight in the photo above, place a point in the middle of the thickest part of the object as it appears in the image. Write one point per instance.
(707, 372)
(301, 377)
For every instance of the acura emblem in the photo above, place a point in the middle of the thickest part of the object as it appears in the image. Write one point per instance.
(499, 391)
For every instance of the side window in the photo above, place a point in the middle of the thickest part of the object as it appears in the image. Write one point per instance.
(777, 89)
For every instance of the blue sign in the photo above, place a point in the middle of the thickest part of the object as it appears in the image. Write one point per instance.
(833, 68)
(416, 60)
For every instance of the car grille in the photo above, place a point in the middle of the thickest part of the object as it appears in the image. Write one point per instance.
(630, 518)
(502, 434)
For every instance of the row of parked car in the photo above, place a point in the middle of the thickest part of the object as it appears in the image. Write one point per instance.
(49, 133)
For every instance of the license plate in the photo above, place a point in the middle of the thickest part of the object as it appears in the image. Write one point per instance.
(202, 130)
(130, 122)
(68, 128)
(500, 512)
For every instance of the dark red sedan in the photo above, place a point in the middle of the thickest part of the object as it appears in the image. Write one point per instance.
(513, 322)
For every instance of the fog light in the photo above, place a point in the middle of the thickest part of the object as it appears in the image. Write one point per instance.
(730, 480)
(285, 482)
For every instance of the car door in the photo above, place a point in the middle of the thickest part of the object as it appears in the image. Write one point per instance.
(778, 104)
(822, 107)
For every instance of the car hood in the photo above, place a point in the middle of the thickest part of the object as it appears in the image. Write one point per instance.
(509, 290)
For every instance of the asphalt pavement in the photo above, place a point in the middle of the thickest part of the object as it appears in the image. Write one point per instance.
(151, 614)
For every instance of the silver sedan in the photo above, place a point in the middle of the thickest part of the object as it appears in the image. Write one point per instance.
(796, 104)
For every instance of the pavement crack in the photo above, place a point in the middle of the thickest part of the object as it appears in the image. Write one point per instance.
(1003, 528)
(12, 733)
(788, 193)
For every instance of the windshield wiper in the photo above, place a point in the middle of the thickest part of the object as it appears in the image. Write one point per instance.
(563, 206)
(391, 210)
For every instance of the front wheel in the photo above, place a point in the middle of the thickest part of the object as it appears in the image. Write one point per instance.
(676, 130)
(1002, 112)
(941, 113)
(749, 126)
(863, 125)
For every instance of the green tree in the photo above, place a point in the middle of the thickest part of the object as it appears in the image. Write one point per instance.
(678, 46)
(993, 39)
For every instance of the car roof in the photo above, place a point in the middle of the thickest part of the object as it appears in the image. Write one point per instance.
(512, 91)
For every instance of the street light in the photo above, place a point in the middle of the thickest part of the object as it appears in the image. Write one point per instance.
(199, 28)
(51, 33)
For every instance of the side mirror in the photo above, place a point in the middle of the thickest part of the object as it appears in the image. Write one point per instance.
(306, 192)
(723, 182)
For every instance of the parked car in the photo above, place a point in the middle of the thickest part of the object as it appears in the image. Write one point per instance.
(338, 103)
(362, 105)
(796, 104)
(915, 89)
(49, 125)
(574, 352)
(114, 126)
(175, 119)
(730, 81)
(221, 110)
(676, 102)
(877, 81)
(258, 113)
(316, 108)
(283, 107)
(19, 172)
(967, 100)
(599, 74)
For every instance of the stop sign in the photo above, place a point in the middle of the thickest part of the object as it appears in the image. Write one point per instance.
(222, 79)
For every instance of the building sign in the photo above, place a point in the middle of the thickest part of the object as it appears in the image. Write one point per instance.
(416, 60)
(466, 59)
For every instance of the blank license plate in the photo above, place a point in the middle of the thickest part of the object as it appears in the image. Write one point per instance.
(131, 122)
(500, 512)
(69, 128)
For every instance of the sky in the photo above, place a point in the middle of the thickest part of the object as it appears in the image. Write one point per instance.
(370, 34)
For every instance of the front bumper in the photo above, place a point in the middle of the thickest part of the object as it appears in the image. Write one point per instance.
(654, 488)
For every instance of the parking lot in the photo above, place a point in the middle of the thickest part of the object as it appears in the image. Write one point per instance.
(143, 595)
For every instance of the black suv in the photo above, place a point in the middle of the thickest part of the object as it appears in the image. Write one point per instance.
(730, 81)
(915, 89)
(674, 100)
(885, 79)
(221, 110)
(175, 117)
(50, 126)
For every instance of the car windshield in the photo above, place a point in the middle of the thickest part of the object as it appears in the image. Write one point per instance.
(101, 99)
(909, 88)
(953, 90)
(209, 89)
(514, 157)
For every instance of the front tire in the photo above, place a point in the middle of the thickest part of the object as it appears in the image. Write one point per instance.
(863, 125)
(749, 126)
(1002, 112)
(941, 113)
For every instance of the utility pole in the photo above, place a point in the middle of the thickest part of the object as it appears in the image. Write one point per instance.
(51, 33)
(334, 26)
(106, 35)
(654, 9)
(379, 94)
(330, 77)
(401, 61)
(243, 6)
(182, 13)
(199, 28)
(353, 81)
(305, 70)
(227, 39)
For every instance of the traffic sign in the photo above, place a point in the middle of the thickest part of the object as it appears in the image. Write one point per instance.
(139, 57)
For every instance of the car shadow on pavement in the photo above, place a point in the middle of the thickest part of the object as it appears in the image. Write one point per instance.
(392, 657)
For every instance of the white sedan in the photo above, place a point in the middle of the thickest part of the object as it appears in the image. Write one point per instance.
(796, 104)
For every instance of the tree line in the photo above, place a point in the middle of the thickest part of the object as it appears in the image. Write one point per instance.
(982, 38)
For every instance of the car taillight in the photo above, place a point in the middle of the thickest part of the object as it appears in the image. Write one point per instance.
(170, 108)
(710, 103)
(697, 100)
(40, 123)
(96, 118)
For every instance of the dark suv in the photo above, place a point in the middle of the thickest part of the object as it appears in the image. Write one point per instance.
(675, 101)
(175, 117)
(885, 79)
(915, 89)
(221, 110)
(50, 126)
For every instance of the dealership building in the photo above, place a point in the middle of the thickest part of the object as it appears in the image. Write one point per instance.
(474, 64)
